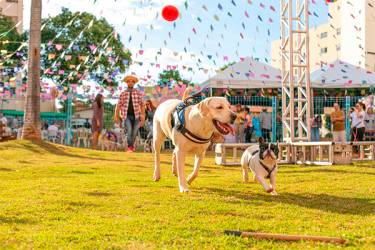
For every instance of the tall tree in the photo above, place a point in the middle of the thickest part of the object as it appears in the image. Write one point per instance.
(78, 34)
(172, 76)
(8, 57)
(31, 121)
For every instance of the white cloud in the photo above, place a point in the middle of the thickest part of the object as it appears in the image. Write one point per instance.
(156, 27)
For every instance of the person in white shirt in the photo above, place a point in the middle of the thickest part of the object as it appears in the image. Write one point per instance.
(357, 114)
(369, 122)
(15, 123)
(117, 126)
(3, 119)
(53, 127)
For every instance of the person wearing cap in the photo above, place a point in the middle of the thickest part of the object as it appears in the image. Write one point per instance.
(265, 124)
(129, 106)
(239, 124)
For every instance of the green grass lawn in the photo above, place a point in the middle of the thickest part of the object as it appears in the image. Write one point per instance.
(58, 197)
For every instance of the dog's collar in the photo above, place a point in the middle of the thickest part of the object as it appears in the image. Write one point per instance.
(178, 121)
(264, 166)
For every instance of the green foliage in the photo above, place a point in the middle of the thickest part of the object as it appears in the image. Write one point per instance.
(92, 36)
(227, 65)
(14, 39)
(173, 75)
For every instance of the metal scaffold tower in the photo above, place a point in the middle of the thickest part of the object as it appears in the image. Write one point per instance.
(295, 71)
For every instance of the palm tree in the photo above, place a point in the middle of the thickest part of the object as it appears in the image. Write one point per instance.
(31, 120)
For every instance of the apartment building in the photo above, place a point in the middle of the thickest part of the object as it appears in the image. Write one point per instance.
(348, 36)
(14, 10)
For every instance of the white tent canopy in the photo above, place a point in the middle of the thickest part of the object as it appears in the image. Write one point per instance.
(249, 74)
(339, 74)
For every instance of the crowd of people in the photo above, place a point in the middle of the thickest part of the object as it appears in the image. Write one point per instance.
(132, 113)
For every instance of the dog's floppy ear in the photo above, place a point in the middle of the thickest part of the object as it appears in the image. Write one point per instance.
(203, 107)
(261, 141)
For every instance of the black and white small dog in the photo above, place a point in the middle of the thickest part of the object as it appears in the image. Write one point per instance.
(261, 159)
(148, 148)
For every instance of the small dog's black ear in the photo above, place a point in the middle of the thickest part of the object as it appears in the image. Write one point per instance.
(261, 141)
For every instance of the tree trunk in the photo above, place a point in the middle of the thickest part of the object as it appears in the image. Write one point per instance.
(31, 120)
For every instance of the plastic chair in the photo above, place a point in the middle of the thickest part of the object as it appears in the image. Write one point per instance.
(52, 136)
(82, 136)
(19, 133)
(44, 135)
(167, 141)
(90, 137)
(8, 131)
(63, 137)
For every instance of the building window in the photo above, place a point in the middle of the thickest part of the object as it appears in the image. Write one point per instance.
(338, 47)
(323, 50)
(12, 1)
(359, 62)
(295, 71)
(359, 29)
(338, 31)
(323, 35)
(360, 11)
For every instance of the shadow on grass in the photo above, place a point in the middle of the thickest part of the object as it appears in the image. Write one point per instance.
(324, 202)
(54, 149)
(82, 172)
(11, 220)
(6, 169)
(319, 170)
(98, 194)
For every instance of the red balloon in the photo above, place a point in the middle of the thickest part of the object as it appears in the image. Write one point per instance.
(170, 13)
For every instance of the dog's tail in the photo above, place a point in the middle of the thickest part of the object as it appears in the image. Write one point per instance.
(186, 95)
(261, 141)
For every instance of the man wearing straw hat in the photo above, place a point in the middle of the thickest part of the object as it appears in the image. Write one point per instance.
(129, 104)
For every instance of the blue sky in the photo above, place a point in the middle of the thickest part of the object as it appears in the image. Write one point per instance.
(143, 15)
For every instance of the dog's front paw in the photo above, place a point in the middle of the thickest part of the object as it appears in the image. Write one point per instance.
(157, 176)
(270, 190)
(184, 190)
(189, 180)
(245, 177)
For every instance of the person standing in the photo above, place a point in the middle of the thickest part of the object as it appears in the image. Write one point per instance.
(3, 120)
(357, 114)
(316, 124)
(150, 111)
(15, 123)
(87, 124)
(128, 106)
(97, 119)
(249, 128)
(369, 121)
(338, 120)
(265, 123)
(239, 124)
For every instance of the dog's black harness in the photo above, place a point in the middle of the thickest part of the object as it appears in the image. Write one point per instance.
(178, 121)
(261, 163)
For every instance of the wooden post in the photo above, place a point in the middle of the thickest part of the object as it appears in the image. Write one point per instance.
(234, 154)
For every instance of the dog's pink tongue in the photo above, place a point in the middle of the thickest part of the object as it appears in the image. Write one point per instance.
(229, 128)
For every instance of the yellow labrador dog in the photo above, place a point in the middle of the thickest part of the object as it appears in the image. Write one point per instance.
(202, 120)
